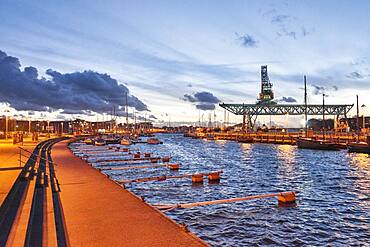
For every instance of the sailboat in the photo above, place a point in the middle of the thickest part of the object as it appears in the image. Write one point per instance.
(309, 143)
(359, 147)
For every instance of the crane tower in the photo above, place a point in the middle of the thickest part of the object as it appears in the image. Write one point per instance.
(266, 94)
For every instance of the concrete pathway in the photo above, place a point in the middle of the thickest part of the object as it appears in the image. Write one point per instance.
(99, 212)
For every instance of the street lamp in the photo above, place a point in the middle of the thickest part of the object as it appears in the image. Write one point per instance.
(6, 123)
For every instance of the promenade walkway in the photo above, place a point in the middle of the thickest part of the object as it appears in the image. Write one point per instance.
(99, 212)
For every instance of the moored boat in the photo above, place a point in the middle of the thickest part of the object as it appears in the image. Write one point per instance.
(153, 141)
(360, 147)
(112, 141)
(100, 142)
(244, 139)
(126, 141)
(307, 143)
(89, 141)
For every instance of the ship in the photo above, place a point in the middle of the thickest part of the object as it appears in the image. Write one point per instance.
(308, 143)
(359, 147)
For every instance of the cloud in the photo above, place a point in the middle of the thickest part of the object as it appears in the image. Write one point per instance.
(277, 19)
(203, 100)
(122, 113)
(153, 117)
(287, 25)
(205, 97)
(61, 117)
(318, 89)
(287, 99)
(355, 75)
(246, 40)
(323, 90)
(78, 112)
(205, 106)
(77, 91)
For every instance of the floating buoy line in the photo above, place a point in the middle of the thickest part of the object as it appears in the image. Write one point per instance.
(117, 158)
(196, 178)
(284, 198)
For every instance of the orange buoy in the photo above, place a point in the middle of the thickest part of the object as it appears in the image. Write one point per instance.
(286, 197)
(136, 156)
(197, 178)
(214, 176)
(147, 155)
(166, 159)
(174, 167)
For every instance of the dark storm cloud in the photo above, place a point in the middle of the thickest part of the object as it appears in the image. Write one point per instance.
(205, 97)
(246, 40)
(287, 99)
(205, 106)
(77, 91)
(203, 100)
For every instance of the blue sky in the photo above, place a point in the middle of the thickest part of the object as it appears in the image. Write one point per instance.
(163, 50)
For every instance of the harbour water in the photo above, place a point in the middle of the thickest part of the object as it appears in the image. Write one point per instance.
(333, 206)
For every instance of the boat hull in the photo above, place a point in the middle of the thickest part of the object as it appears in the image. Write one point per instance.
(244, 140)
(126, 142)
(317, 145)
(359, 148)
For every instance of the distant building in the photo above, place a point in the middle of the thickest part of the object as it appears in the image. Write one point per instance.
(317, 124)
(364, 122)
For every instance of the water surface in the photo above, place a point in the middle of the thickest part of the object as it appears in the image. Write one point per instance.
(332, 203)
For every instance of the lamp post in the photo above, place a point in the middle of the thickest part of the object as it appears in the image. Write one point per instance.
(6, 123)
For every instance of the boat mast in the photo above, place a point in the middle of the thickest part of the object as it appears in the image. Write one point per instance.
(126, 106)
(357, 122)
(323, 116)
(305, 104)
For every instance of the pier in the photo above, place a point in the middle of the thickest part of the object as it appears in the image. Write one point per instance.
(275, 137)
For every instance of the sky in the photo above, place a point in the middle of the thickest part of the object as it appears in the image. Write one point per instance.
(177, 60)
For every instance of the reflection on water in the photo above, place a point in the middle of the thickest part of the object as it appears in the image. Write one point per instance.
(333, 199)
